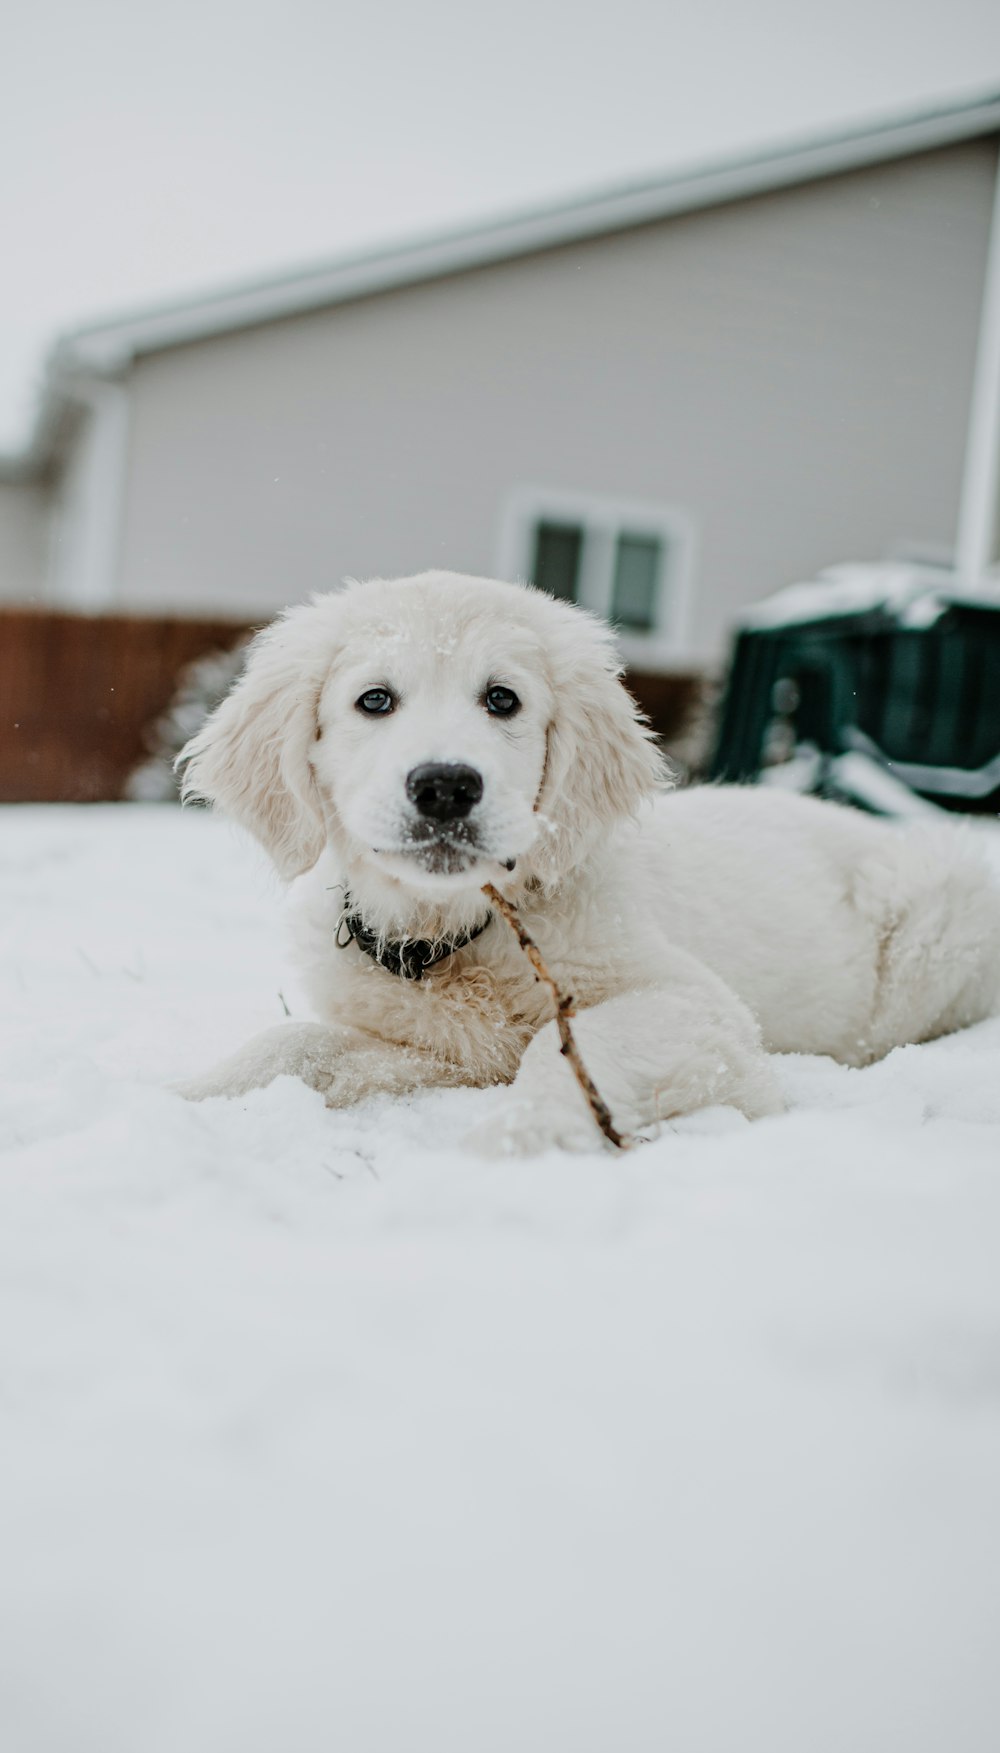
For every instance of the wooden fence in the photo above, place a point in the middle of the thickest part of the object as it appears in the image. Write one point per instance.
(78, 694)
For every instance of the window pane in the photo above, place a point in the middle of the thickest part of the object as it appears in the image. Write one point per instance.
(637, 574)
(557, 558)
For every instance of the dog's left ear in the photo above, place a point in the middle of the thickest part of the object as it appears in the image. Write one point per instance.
(602, 759)
(252, 757)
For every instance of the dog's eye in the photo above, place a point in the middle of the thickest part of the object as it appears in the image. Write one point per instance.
(375, 700)
(502, 702)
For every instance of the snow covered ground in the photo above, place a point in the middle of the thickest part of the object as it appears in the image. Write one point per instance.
(316, 1433)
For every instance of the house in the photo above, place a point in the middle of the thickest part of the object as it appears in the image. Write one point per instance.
(664, 401)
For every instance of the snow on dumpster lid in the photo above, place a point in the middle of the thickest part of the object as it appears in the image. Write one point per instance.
(918, 594)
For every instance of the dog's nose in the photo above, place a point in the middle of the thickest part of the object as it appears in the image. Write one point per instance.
(444, 791)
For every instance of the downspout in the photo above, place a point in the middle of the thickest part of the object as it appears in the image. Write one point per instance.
(978, 543)
(86, 563)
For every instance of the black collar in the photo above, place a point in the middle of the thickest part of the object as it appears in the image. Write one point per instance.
(409, 957)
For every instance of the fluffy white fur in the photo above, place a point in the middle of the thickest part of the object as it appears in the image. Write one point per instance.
(698, 932)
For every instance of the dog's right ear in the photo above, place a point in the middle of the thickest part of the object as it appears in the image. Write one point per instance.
(252, 756)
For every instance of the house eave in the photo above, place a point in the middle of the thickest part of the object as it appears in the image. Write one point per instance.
(105, 349)
(111, 346)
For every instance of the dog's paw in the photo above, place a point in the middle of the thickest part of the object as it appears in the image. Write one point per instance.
(309, 1051)
(522, 1129)
(195, 1089)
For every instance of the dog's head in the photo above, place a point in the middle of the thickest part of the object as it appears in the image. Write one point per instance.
(441, 730)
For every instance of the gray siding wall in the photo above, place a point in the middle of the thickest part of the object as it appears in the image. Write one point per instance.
(23, 540)
(792, 370)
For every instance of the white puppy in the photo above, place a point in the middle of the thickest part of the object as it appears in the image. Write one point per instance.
(398, 744)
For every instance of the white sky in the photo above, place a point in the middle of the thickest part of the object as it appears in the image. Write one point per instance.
(154, 151)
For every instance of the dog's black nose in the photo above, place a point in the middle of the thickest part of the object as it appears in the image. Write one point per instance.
(442, 791)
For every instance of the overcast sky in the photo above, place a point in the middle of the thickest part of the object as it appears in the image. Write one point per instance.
(150, 151)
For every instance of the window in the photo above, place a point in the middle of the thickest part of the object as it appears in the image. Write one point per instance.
(558, 547)
(638, 563)
(630, 563)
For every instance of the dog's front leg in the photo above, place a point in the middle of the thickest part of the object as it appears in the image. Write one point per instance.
(344, 1064)
(653, 1054)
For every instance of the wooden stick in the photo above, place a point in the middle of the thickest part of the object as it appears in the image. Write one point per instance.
(565, 1008)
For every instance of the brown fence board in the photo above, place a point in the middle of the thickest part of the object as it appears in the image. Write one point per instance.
(77, 693)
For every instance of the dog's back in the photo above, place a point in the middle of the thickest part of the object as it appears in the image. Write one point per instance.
(844, 934)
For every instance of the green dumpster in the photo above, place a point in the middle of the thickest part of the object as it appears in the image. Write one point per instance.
(907, 685)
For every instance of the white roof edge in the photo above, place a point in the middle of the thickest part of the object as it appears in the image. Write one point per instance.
(110, 346)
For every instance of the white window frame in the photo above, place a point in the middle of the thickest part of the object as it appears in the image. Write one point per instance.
(602, 521)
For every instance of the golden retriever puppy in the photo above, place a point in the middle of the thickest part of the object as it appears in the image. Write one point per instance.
(398, 744)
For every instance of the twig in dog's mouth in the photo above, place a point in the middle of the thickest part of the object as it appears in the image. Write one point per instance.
(564, 1010)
